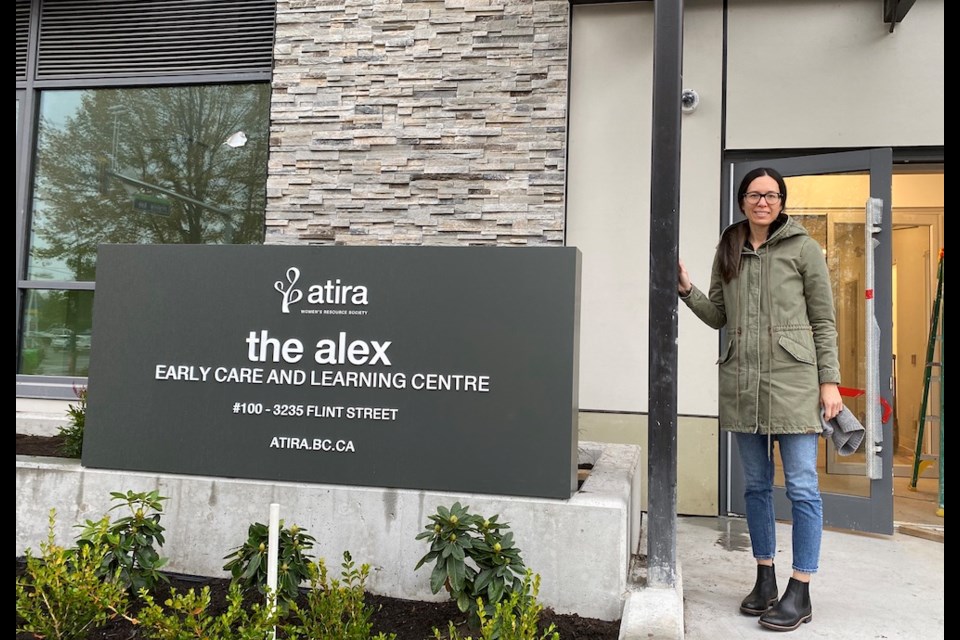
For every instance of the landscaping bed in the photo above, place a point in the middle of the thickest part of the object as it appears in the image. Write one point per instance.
(408, 619)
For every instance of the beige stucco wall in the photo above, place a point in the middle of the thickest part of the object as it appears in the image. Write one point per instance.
(830, 74)
(608, 212)
(698, 468)
(608, 197)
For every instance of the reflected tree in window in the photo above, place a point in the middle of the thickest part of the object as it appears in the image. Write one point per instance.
(172, 165)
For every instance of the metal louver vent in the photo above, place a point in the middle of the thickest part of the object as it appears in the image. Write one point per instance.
(23, 27)
(118, 38)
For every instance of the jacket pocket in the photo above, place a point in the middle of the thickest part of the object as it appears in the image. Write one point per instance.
(791, 349)
(728, 352)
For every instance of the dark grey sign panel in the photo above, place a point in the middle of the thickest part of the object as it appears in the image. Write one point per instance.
(443, 368)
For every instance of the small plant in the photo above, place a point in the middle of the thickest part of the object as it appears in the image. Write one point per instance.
(72, 434)
(131, 556)
(515, 617)
(61, 595)
(186, 615)
(248, 562)
(334, 610)
(494, 566)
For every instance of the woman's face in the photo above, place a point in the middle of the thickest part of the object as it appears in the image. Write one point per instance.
(762, 213)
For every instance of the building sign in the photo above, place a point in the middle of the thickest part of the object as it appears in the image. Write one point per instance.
(442, 368)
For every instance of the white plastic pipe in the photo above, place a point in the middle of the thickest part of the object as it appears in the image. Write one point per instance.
(273, 550)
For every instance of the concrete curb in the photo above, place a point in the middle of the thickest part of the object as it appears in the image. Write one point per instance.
(654, 613)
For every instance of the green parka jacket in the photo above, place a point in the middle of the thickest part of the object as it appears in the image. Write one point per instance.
(781, 336)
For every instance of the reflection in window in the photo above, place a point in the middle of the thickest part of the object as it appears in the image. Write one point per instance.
(56, 333)
(163, 165)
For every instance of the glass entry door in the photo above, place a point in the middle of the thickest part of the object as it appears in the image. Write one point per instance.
(828, 195)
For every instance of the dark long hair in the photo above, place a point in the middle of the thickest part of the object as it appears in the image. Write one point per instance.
(731, 243)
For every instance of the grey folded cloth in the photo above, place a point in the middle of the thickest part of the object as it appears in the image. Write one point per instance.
(845, 431)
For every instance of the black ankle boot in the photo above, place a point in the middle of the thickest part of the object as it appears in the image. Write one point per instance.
(793, 609)
(764, 594)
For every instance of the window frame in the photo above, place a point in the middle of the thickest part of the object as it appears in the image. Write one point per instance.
(28, 92)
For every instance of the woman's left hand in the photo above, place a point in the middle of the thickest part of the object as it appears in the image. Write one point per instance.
(830, 400)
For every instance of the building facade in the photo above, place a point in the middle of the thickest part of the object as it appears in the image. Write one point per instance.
(469, 122)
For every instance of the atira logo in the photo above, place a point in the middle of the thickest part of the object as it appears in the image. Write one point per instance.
(290, 294)
(331, 292)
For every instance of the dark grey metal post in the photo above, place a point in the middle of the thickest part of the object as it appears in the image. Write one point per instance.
(664, 238)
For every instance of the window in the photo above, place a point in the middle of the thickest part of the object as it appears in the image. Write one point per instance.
(161, 165)
(136, 138)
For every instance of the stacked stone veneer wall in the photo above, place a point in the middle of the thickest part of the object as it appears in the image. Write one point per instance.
(438, 122)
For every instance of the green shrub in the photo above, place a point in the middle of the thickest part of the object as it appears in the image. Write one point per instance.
(72, 446)
(474, 559)
(334, 610)
(515, 617)
(248, 562)
(61, 596)
(131, 555)
(186, 616)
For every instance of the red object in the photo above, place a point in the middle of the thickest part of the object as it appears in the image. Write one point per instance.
(868, 293)
(850, 392)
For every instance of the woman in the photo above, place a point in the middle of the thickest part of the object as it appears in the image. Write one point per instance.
(771, 290)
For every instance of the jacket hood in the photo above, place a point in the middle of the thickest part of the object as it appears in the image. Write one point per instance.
(782, 228)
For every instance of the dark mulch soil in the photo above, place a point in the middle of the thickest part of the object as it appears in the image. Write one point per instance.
(408, 619)
(39, 445)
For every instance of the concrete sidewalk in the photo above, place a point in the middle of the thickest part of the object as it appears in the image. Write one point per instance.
(868, 587)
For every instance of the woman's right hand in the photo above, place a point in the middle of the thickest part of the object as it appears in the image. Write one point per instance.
(684, 285)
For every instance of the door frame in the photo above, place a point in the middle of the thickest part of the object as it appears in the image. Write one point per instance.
(873, 513)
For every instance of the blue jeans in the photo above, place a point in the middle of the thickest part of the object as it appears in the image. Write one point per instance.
(798, 456)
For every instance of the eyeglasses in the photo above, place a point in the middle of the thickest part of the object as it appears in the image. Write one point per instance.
(771, 197)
